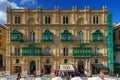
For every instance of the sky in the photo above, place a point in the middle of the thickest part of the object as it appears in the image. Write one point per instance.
(112, 5)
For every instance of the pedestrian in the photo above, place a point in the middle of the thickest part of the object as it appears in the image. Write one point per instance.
(57, 74)
(34, 73)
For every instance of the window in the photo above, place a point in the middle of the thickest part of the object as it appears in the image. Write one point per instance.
(32, 36)
(65, 61)
(17, 60)
(47, 19)
(80, 36)
(96, 51)
(47, 51)
(65, 20)
(95, 20)
(96, 60)
(65, 50)
(17, 19)
(17, 51)
(47, 61)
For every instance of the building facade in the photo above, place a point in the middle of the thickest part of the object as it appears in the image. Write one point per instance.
(43, 39)
(116, 35)
(2, 47)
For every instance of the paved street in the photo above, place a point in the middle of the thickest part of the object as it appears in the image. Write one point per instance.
(46, 77)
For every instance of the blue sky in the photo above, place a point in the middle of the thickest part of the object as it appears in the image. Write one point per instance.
(112, 5)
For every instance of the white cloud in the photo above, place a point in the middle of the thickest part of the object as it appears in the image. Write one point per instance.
(3, 6)
(30, 1)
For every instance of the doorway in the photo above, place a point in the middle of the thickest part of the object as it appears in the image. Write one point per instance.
(17, 69)
(32, 67)
(81, 67)
(47, 69)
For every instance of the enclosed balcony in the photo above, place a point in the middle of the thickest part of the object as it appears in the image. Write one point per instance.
(16, 36)
(66, 36)
(47, 36)
(97, 36)
(31, 50)
(82, 51)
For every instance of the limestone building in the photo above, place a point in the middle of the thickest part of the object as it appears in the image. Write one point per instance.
(44, 40)
(2, 47)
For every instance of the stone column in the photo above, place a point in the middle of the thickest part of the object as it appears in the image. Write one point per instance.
(25, 67)
(37, 67)
(86, 66)
(7, 66)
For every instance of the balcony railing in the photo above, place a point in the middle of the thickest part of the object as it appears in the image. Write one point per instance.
(96, 41)
(82, 54)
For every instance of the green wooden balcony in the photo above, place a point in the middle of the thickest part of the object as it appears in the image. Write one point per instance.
(47, 36)
(82, 51)
(31, 50)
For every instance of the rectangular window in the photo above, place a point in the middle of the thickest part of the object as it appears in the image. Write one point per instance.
(17, 51)
(65, 61)
(65, 20)
(95, 19)
(47, 19)
(17, 19)
(47, 61)
(17, 60)
(96, 60)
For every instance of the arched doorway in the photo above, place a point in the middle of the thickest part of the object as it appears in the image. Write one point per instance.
(32, 67)
(81, 67)
(1, 60)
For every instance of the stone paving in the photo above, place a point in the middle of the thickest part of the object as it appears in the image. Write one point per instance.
(46, 77)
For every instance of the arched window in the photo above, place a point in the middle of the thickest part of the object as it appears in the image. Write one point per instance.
(32, 36)
(80, 36)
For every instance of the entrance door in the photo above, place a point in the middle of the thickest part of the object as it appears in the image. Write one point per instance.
(81, 67)
(32, 67)
(47, 69)
(17, 69)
